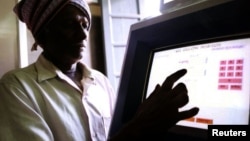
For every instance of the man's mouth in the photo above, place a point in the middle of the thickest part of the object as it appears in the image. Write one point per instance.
(79, 45)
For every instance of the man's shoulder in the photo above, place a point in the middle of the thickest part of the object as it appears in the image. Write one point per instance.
(18, 73)
(97, 73)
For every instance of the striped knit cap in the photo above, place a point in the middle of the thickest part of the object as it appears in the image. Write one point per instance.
(36, 14)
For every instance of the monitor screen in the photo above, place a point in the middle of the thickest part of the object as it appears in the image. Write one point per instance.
(217, 79)
(212, 41)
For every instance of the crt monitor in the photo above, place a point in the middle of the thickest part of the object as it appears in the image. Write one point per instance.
(212, 43)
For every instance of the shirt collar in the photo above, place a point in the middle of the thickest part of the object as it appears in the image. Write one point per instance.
(47, 70)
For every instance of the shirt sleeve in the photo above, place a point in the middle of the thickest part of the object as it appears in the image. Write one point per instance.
(18, 118)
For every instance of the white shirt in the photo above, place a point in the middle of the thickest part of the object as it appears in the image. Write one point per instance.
(40, 103)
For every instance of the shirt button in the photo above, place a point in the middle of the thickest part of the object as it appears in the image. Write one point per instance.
(94, 135)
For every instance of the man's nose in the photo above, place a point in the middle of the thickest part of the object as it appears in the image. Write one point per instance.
(81, 32)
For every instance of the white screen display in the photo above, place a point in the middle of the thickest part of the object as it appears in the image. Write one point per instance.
(218, 80)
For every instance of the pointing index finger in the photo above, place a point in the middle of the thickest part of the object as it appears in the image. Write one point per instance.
(170, 80)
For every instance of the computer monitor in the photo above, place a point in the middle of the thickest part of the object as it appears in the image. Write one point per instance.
(217, 79)
(212, 43)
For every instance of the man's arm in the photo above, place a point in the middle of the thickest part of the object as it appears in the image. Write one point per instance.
(18, 119)
(159, 112)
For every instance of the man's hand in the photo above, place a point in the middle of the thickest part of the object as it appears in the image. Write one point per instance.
(160, 111)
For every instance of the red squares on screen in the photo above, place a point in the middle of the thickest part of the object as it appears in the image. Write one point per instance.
(222, 68)
(239, 67)
(230, 74)
(223, 62)
(223, 87)
(222, 74)
(235, 87)
(239, 61)
(230, 62)
(238, 74)
(230, 68)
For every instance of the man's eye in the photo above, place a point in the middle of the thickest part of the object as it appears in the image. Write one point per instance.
(85, 25)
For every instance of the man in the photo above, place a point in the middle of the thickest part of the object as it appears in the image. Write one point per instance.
(60, 98)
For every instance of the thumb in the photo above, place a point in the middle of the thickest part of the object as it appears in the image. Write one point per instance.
(188, 113)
